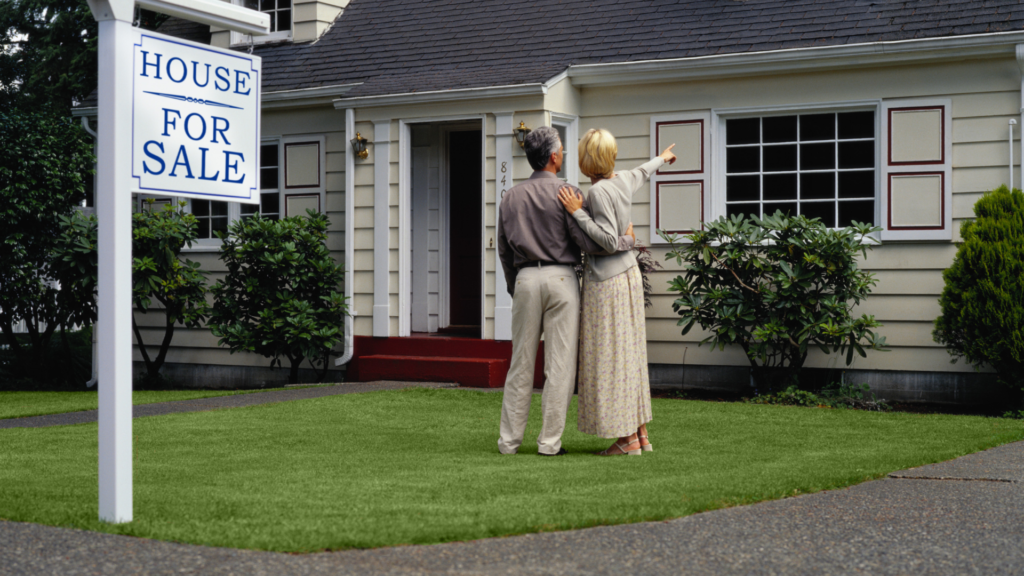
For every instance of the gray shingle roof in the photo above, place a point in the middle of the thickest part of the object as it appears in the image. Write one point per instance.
(402, 46)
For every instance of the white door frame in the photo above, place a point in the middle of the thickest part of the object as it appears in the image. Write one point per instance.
(405, 219)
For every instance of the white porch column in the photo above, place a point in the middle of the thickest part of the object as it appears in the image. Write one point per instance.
(503, 181)
(381, 226)
(114, 213)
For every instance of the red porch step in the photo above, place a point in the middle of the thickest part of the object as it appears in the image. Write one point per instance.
(466, 361)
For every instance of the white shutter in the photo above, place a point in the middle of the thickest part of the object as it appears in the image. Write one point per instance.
(917, 179)
(680, 192)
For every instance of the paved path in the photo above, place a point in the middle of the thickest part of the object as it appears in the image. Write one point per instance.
(219, 402)
(965, 516)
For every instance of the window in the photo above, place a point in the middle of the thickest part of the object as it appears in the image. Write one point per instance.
(567, 127)
(280, 12)
(270, 199)
(212, 217)
(818, 165)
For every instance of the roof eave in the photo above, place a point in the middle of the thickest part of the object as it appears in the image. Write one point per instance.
(798, 59)
(484, 93)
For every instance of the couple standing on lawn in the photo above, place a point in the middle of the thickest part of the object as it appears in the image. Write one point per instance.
(542, 227)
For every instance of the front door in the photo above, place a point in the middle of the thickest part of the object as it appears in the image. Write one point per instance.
(465, 210)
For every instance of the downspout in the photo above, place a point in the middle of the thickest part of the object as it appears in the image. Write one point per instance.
(95, 359)
(1020, 64)
(350, 245)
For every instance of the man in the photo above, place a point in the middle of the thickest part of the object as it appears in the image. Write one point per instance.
(539, 243)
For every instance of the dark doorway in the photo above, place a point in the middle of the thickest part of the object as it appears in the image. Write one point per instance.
(465, 225)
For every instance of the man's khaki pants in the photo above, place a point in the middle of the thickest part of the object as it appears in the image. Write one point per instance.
(546, 301)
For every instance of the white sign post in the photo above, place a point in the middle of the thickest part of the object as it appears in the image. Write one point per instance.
(174, 118)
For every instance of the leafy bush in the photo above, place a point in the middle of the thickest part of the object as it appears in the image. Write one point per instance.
(158, 273)
(47, 250)
(280, 297)
(983, 301)
(776, 287)
(837, 395)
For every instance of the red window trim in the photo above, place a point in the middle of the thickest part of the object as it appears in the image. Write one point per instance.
(287, 144)
(658, 147)
(942, 201)
(942, 143)
(657, 205)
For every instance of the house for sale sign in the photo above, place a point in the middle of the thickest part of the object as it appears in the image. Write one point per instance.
(195, 120)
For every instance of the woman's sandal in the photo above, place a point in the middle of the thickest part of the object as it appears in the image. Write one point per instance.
(644, 447)
(621, 450)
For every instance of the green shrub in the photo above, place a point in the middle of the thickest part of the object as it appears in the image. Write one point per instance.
(280, 296)
(776, 287)
(982, 303)
(158, 273)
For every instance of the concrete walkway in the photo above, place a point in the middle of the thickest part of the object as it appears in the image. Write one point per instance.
(219, 402)
(965, 516)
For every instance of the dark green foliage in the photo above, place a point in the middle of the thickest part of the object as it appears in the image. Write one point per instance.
(47, 249)
(982, 304)
(48, 58)
(776, 287)
(159, 274)
(836, 395)
(280, 296)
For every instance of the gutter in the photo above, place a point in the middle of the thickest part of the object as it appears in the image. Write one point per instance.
(489, 92)
(350, 245)
(320, 96)
(798, 59)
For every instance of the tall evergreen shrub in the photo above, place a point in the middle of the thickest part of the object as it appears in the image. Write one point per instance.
(982, 303)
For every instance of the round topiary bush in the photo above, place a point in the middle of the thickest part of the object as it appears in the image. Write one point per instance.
(983, 302)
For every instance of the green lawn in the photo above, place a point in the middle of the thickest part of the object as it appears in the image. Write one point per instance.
(421, 466)
(20, 404)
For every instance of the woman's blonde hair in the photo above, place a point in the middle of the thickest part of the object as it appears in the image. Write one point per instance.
(597, 153)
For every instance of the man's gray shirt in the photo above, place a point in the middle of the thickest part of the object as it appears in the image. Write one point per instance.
(534, 226)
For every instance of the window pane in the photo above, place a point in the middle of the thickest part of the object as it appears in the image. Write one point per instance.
(268, 155)
(742, 159)
(857, 125)
(817, 156)
(786, 207)
(220, 208)
(856, 154)
(284, 20)
(249, 209)
(204, 228)
(273, 21)
(780, 187)
(861, 211)
(219, 225)
(744, 209)
(779, 129)
(269, 203)
(267, 5)
(200, 208)
(745, 131)
(826, 211)
(857, 184)
(818, 185)
(565, 145)
(817, 127)
(740, 188)
(252, 4)
(780, 158)
(268, 178)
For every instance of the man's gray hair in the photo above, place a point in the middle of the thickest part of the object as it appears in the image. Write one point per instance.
(540, 145)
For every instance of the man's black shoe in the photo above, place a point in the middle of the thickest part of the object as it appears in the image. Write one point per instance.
(561, 451)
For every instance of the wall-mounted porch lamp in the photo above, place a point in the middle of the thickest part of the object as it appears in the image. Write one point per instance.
(520, 134)
(359, 146)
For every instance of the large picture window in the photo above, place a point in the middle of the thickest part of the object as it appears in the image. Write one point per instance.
(821, 165)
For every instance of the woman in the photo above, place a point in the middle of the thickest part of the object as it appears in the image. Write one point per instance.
(614, 389)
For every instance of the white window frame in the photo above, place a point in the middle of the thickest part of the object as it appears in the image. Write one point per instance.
(240, 39)
(718, 150)
(570, 164)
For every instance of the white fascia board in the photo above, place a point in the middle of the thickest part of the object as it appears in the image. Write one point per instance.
(323, 95)
(798, 59)
(213, 12)
(489, 92)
